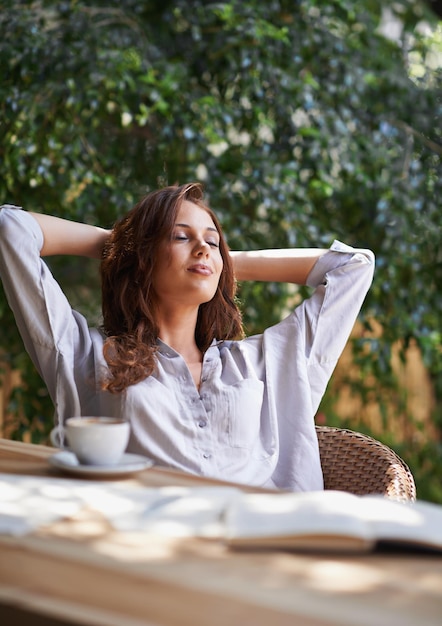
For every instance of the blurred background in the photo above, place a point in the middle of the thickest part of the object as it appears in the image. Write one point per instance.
(305, 121)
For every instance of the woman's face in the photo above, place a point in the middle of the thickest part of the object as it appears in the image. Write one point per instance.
(188, 268)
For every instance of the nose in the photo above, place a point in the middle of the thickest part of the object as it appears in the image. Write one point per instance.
(202, 248)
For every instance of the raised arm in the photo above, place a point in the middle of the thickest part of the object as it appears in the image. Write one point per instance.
(288, 266)
(67, 237)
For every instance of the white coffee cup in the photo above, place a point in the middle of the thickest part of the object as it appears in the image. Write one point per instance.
(93, 440)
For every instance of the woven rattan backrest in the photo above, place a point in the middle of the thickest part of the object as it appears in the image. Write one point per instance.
(361, 465)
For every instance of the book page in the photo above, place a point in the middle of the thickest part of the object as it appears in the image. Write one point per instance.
(418, 523)
(331, 520)
(316, 519)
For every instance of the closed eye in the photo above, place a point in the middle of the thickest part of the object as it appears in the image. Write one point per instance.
(210, 242)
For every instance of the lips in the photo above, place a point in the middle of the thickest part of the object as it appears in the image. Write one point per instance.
(200, 268)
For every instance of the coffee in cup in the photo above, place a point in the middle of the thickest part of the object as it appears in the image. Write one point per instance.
(93, 440)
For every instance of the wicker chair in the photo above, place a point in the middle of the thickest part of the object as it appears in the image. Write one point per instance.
(361, 465)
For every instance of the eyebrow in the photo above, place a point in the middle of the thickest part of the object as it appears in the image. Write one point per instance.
(211, 228)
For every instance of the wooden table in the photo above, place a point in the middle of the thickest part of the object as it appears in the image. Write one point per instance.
(82, 571)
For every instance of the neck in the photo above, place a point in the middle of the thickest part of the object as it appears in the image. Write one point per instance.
(177, 329)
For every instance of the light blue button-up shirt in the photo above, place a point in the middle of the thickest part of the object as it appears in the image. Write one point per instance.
(251, 421)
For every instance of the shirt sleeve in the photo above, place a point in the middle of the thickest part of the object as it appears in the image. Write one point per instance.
(296, 357)
(51, 331)
(321, 325)
(341, 278)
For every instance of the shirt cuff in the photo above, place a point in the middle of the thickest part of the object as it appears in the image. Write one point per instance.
(10, 206)
(328, 262)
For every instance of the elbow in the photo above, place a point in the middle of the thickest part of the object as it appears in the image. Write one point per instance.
(366, 257)
(17, 225)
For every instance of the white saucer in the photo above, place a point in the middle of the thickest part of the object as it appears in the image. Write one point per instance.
(128, 464)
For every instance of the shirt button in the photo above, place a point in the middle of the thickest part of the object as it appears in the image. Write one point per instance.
(202, 423)
(206, 455)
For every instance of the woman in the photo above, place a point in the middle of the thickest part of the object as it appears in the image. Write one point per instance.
(170, 357)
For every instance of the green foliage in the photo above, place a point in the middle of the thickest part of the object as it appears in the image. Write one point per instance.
(304, 122)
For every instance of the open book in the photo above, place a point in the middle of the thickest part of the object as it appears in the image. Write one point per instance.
(332, 521)
(322, 520)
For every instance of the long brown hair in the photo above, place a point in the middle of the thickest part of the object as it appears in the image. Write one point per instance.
(128, 297)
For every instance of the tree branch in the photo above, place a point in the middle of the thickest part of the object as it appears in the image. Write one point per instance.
(432, 145)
